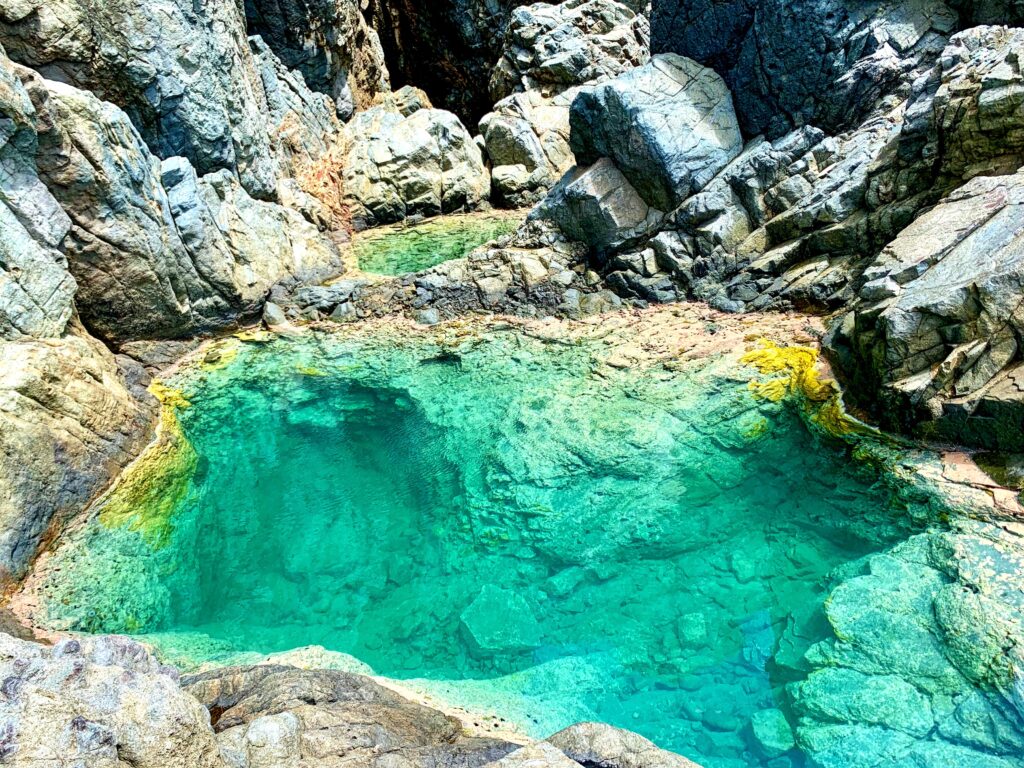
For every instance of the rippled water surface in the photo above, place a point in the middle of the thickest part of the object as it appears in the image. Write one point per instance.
(519, 525)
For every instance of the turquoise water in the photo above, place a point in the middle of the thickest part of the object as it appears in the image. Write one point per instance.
(403, 249)
(516, 523)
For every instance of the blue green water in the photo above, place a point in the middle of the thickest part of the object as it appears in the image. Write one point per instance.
(403, 249)
(514, 521)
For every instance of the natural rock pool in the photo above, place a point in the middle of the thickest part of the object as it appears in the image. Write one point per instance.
(621, 522)
(400, 249)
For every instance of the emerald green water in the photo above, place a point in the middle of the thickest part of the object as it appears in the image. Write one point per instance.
(404, 249)
(514, 522)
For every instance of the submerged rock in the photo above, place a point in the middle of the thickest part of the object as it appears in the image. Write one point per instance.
(500, 621)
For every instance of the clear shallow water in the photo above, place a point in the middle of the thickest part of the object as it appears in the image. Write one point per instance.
(401, 250)
(524, 527)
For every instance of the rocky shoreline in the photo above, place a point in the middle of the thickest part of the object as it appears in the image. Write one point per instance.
(172, 173)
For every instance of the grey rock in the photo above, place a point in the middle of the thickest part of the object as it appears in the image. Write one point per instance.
(598, 206)
(158, 252)
(604, 746)
(526, 139)
(181, 71)
(273, 315)
(329, 41)
(552, 47)
(269, 715)
(99, 702)
(929, 352)
(68, 426)
(820, 62)
(36, 289)
(398, 166)
(963, 118)
(669, 126)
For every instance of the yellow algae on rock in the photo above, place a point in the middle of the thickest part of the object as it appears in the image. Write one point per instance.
(792, 371)
(255, 335)
(147, 494)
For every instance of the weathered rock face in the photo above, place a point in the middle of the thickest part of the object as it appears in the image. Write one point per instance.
(424, 163)
(598, 206)
(461, 39)
(99, 702)
(549, 51)
(964, 117)
(329, 42)
(272, 715)
(669, 126)
(148, 265)
(550, 48)
(36, 290)
(935, 337)
(69, 423)
(182, 72)
(526, 139)
(821, 62)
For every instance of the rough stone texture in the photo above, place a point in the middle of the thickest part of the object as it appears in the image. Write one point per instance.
(534, 272)
(329, 42)
(151, 255)
(668, 125)
(424, 163)
(526, 139)
(598, 206)
(461, 39)
(552, 47)
(267, 715)
(964, 117)
(69, 423)
(934, 339)
(36, 289)
(99, 702)
(821, 62)
(603, 746)
(181, 71)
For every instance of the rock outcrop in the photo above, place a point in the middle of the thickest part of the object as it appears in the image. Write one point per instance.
(550, 51)
(105, 701)
(424, 163)
(669, 126)
(933, 340)
(553, 47)
(71, 418)
(147, 265)
(329, 42)
(815, 62)
(526, 139)
(182, 73)
(36, 289)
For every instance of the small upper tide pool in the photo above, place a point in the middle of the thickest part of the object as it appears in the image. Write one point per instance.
(557, 530)
(405, 248)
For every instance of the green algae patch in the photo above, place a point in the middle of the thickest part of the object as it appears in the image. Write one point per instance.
(401, 249)
(147, 495)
